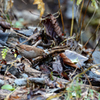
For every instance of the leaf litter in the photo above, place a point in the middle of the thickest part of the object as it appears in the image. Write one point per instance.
(50, 75)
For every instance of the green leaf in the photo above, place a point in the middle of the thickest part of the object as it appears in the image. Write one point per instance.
(51, 75)
(4, 53)
(94, 4)
(8, 87)
(78, 2)
(15, 55)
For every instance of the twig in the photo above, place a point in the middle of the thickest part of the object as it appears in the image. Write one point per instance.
(90, 19)
(94, 50)
(59, 49)
(34, 36)
(57, 95)
(91, 36)
(80, 13)
(87, 78)
(8, 96)
(19, 34)
(37, 43)
(61, 15)
(78, 75)
(72, 37)
(72, 23)
(24, 2)
(80, 19)
(83, 21)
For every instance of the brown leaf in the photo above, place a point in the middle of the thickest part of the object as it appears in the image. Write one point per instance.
(52, 28)
(67, 61)
(14, 97)
(3, 62)
(3, 24)
(60, 85)
(19, 94)
(64, 74)
(76, 58)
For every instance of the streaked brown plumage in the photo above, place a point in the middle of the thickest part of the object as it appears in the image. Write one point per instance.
(29, 51)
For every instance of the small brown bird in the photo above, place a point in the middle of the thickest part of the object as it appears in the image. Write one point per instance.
(29, 51)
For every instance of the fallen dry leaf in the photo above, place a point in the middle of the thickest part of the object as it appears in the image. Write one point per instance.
(52, 28)
(57, 67)
(5, 25)
(67, 61)
(72, 55)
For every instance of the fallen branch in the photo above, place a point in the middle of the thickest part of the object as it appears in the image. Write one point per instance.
(50, 52)
(23, 81)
